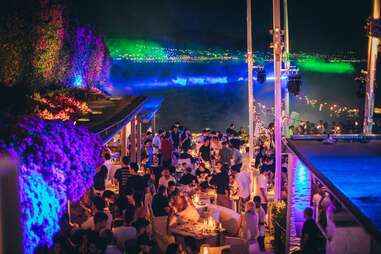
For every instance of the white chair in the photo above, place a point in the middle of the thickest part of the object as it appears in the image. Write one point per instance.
(229, 219)
(160, 232)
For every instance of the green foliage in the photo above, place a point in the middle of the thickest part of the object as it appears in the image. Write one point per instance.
(279, 221)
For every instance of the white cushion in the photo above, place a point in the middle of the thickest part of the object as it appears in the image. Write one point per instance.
(227, 217)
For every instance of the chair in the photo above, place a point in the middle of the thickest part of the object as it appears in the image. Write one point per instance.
(229, 219)
(160, 232)
(238, 245)
(216, 250)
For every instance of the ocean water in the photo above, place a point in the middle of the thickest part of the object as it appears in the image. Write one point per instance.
(214, 95)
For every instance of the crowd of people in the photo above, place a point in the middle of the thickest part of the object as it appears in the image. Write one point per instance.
(122, 212)
(173, 164)
(323, 127)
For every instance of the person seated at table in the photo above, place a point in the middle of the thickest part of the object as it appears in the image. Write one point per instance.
(188, 178)
(160, 203)
(221, 182)
(181, 210)
(126, 231)
(99, 205)
(166, 178)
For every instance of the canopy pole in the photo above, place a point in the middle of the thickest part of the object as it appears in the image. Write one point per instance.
(277, 50)
(373, 44)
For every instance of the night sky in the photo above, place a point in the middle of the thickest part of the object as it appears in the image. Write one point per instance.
(327, 26)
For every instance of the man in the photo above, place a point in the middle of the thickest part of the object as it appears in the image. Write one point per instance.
(99, 205)
(243, 182)
(160, 203)
(221, 182)
(310, 234)
(262, 186)
(261, 222)
(136, 182)
(175, 136)
(230, 131)
(166, 150)
(204, 151)
(122, 174)
(166, 178)
(126, 231)
(188, 178)
(225, 153)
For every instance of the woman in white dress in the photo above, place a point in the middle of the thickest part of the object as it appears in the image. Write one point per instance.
(330, 230)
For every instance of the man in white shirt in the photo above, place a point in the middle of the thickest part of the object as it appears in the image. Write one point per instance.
(243, 182)
(262, 187)
(125, 232)
(166, 178)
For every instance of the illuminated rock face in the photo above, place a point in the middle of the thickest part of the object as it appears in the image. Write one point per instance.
(57, 164)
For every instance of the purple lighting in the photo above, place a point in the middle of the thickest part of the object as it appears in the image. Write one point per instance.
(58, 162)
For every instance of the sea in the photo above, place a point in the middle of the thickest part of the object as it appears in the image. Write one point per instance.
(215, 94)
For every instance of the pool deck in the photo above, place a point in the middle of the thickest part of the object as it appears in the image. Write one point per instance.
(352, 171)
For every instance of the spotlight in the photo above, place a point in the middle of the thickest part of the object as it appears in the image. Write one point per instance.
(261, 76)
(294, 82)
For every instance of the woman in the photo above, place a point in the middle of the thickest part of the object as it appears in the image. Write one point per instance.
(249, 227)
